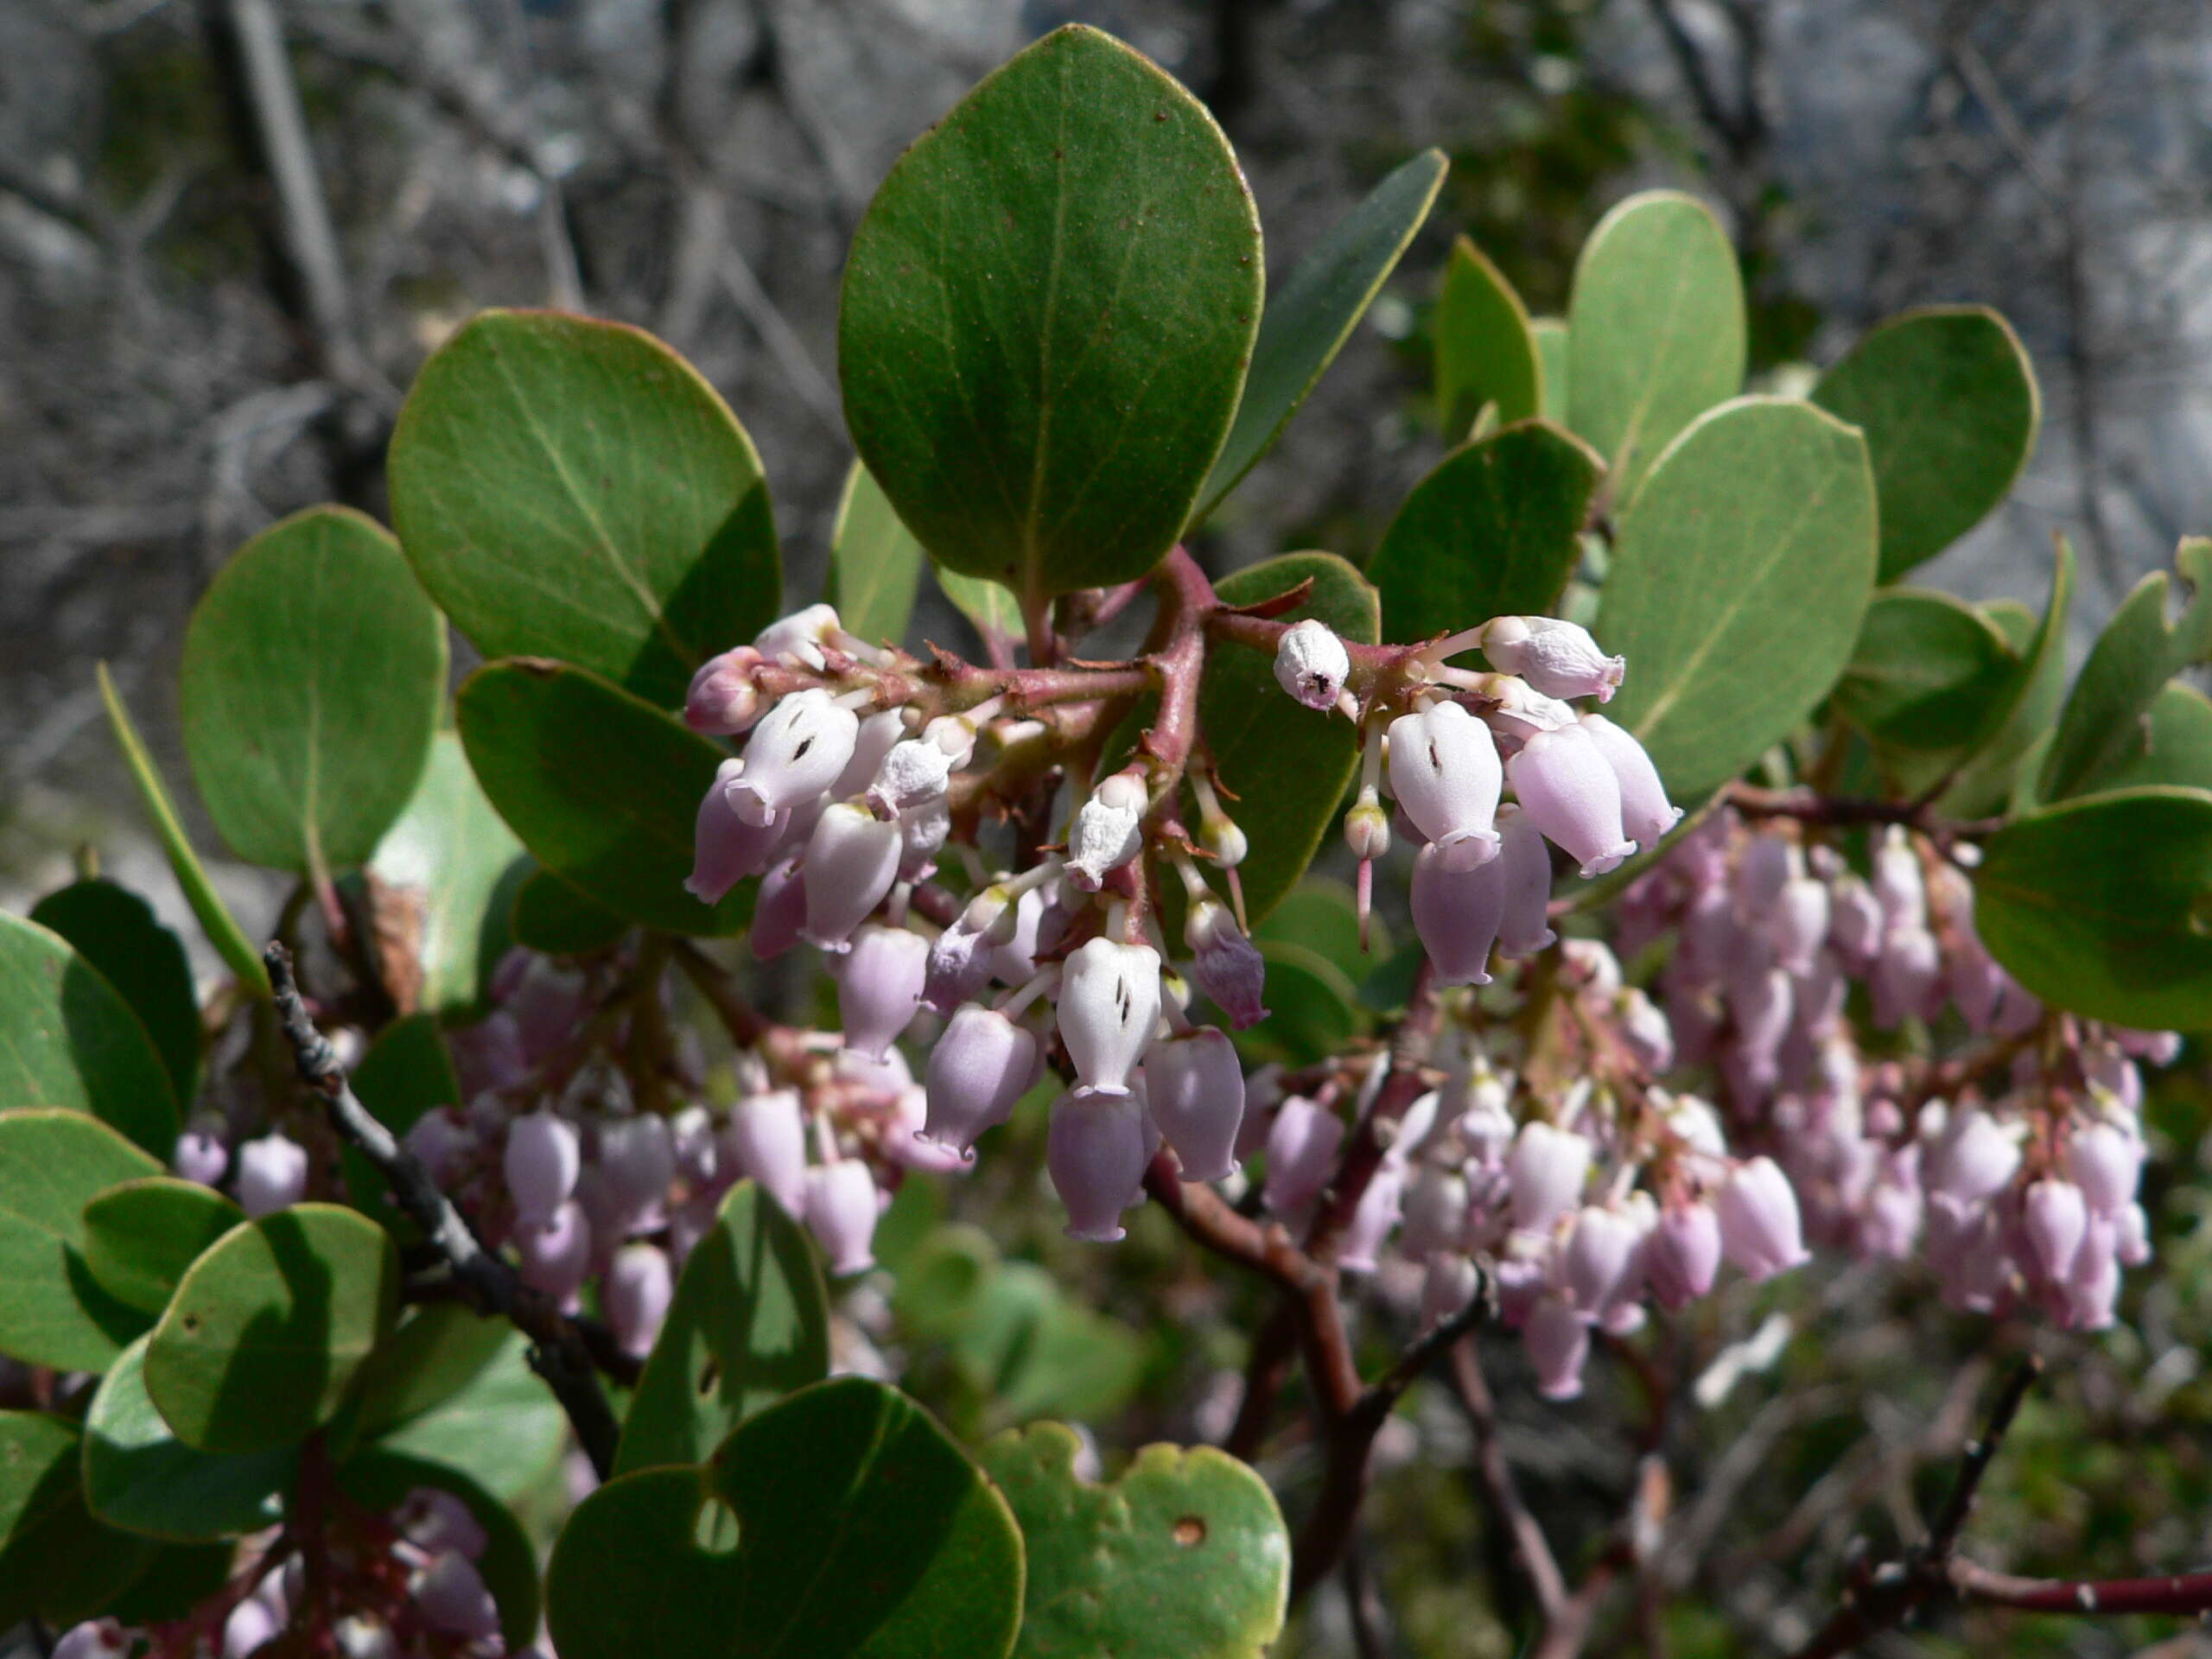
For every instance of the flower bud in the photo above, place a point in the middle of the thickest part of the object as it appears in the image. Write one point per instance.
(1766, 867)
(200, 1154)
(541, 1158)
(1547, 1168)
(2056, 1220)
(2106, 1163)
(2131, 1236)
(1798, 924)
(1219, 836)
(852, 859)
(1194, 1085)
(1646, 813)
(766, 1141)
(1596, 1259)
(1568, 791)
(1854, 921)
(1457, 915)
(1228, 966)
(1976, 1159)
(1108, 1006)
(637, 1292)
(841, 1207)
(1900, 887)
(1559, 659)
(1311, 664)
(979, 1068)
(880, 987)
(1372, 1218)
(1367, 828)
(1558, 1342)
(1525, 866)
(451, 1596)
(1445, 773)
(1760, 1231)
(779, 912)
(1302, 1145)
(2093, 1288)
(916, 769)
(1645, 1032)
(1108, 829)
(441, 1143)
(1095, 1151)
(252, 1624)
(273, 1174)
(723, 700)
(798, 636)
(555, 1254)
(1683, 1253)
(796, 752)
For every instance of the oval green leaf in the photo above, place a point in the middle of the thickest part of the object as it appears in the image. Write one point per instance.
(52, 1163)
(1485, 348)
(436, 1350)
(750, 1324)
(1654, 330)
(875, 563)
(1550, 335)
(314, 671)
(56, 1562)
(1929, 680)
(117, 932)
(991, 605)
(1308, 319)
(571, 488)
(2011, 758)
(138, 1475)
(142, 1235)
(1737, 584)
(843, 1521)
(551, 916)
(439, 870)
(67, 1039)
(266, 1332)
(1197, 1529)
(1946, 398)
(2103, 905)
(503, 1428)
(1048, 312)
(1312, 1006)
(2178, 750)
(1494, 530)
(379, 1479)
(603, 788)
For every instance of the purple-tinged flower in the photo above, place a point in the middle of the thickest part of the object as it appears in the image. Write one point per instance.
(797, 753)
(1854, 921)
(1096, 1152)
(1194, 1085)
(1567, 787)
(726, 847)
(1446, 776)
(1976, 1159)
(1645, 1030)
(1646, 813)
(978, 1068)
(2056, 1220)
(923, 831)
(1525, 866)
(1311, 664)
(252, 1624)
(1228, 966)
(766, 1141)
(1372, 1218)
(98, 1639)
(637, 1160)
(1457, 913)
(841, 1207)
(1547, 1168)
(541, 1160)
(1760, 1229)
(852, 860)
(638, 1288)
(273, 1174)
(1798, 925)
(2092, 1291)
(451, 1596)
(1302, 1145)
(442, 1141)
(2106, 1162)
(1596, 1260)
(1559, 659)
(555, 1254)
(436, 1522)
(880, 987)
(1907, 977)
(779, 911)
(800, 636)
(1436, 1212)
(1450, 1284)
(200, 1154)
(1683, 1253)
(1109, 1008)
(1900, 888)
(1558, 1342)
(723, 700)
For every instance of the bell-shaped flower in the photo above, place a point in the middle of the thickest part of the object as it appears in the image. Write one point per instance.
(692, 1138)
(1227, 966)
(800, 636)
(1446, 776)
(1525, 866)
(723, 700)
(766, 1138)
(2056, 1220)
(1558, 1340)
(2131, 1236)
(1108, 829)
(880, 987)
(1645, 1030)
(273, 1174)
(1373, 1218)
(841, 1207)
(1854, 920)
(450, 1596)
(1194, 1084)
(1683, 1253)
(1798, 924)
(960, 957)
(2107, 1163)
(852, 860)
(440, 1140)
(779, 910)
(201, 1156)
(638, 1287)
(1457, 913)
(1522, 711)
(1559, 659)
(1568, 788)
(555, 1254)
(1302, 1145)
(917, 769)
(2092, 1290)
(1545, 1169)
(1436, 1212)
(637, 1160)
(1095, 1151)
(1763, 1010)
(1108, 1006)
(1767, 865)
(1976, 1159)
(541, 1160)
(977, 1069)
(1646, 813)
(1450, 1283)
(797, 751)
(1596, 1260)
(1900, 887)
(1760, 1229)
(1907, 977)
(1311, 664)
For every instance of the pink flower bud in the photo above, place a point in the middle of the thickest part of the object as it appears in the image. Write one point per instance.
(1854, 920)
(200, 1154)
(880, 987)
(540, 1162)
(2106, 1163)
(1525, 866)
(1568, 789)
(555, 1254)
(1597, 1256)
(1228, 967)
(1683, 1253)
(1762, 1015)
(1646, 813)
(1768, 865)
(1095, 1151)
(1547, 1168)
(1907, 977)
(1108, 1006)
(1559, 659)
(841, 1207)
(638, 1290)
(1760, 1230)
(852, 859)
(2159, 1047)
(1311, 664)
(1436, 1212)
(1445, 773)
(1367, 828)
(2056, 1220)
(766, 1141)
(443, 1142)
(1108, 829)
(722, 700)
(273, 1174)
(779, 911)
(1457, 913)
(1302, 1145)
(1372, 1218)
(979, 1068)
(1195, 1088)
(1558, 1342)
(451, 1596)
(1976, 1159)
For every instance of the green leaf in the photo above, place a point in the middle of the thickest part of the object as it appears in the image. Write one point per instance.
(1286, 766)
(1036, 1351)
(1312, 1006)
(314, 671)
(750, 1324)
(142, 1235)
(379, 1479)
(860, 1530)
(992, 607)
(1485, 348)
(56, 1562)
(572, 488)
(264, 1335)
(2103, 905)
(1550, 335)
(138, 1475)
(1739, 581)
(1048, 312)
(1494, 530)
(602, 788)
(503, 1429)
(1199, 1530)
(875, 563)
(551, 916)
(2014, 755)
(2105, 720)
(1654, 331)
(1321, 914)
(436, 1351)
(116, 932)
(221, 928)
(440, 868)
(1928, 682)
(178, 1578)
(67, 1039)
(1948, 401)
(2179, 751)
(1308, 319)
(52, 1163)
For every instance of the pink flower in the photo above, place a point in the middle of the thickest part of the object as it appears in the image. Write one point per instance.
(1194, 1083)
(1646, 813)
(1547, 1168)
(1760, 1230)
(640, 1286)
(1095, 1150)
(722, 700)
(979, 1068)
(1525, 868)
(1684, 1254)
(1445, 773)
(842, 1206)
(1559, 1343)
(880, 987)
(1559, 659)
(1568, 788)
(1457, 913)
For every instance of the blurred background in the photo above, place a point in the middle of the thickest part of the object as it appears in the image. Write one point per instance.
(230, 230)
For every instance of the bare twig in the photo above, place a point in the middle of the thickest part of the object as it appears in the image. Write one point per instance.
(1530, 1547)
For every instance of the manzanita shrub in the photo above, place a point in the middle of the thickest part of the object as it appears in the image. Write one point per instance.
(1768, 914)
